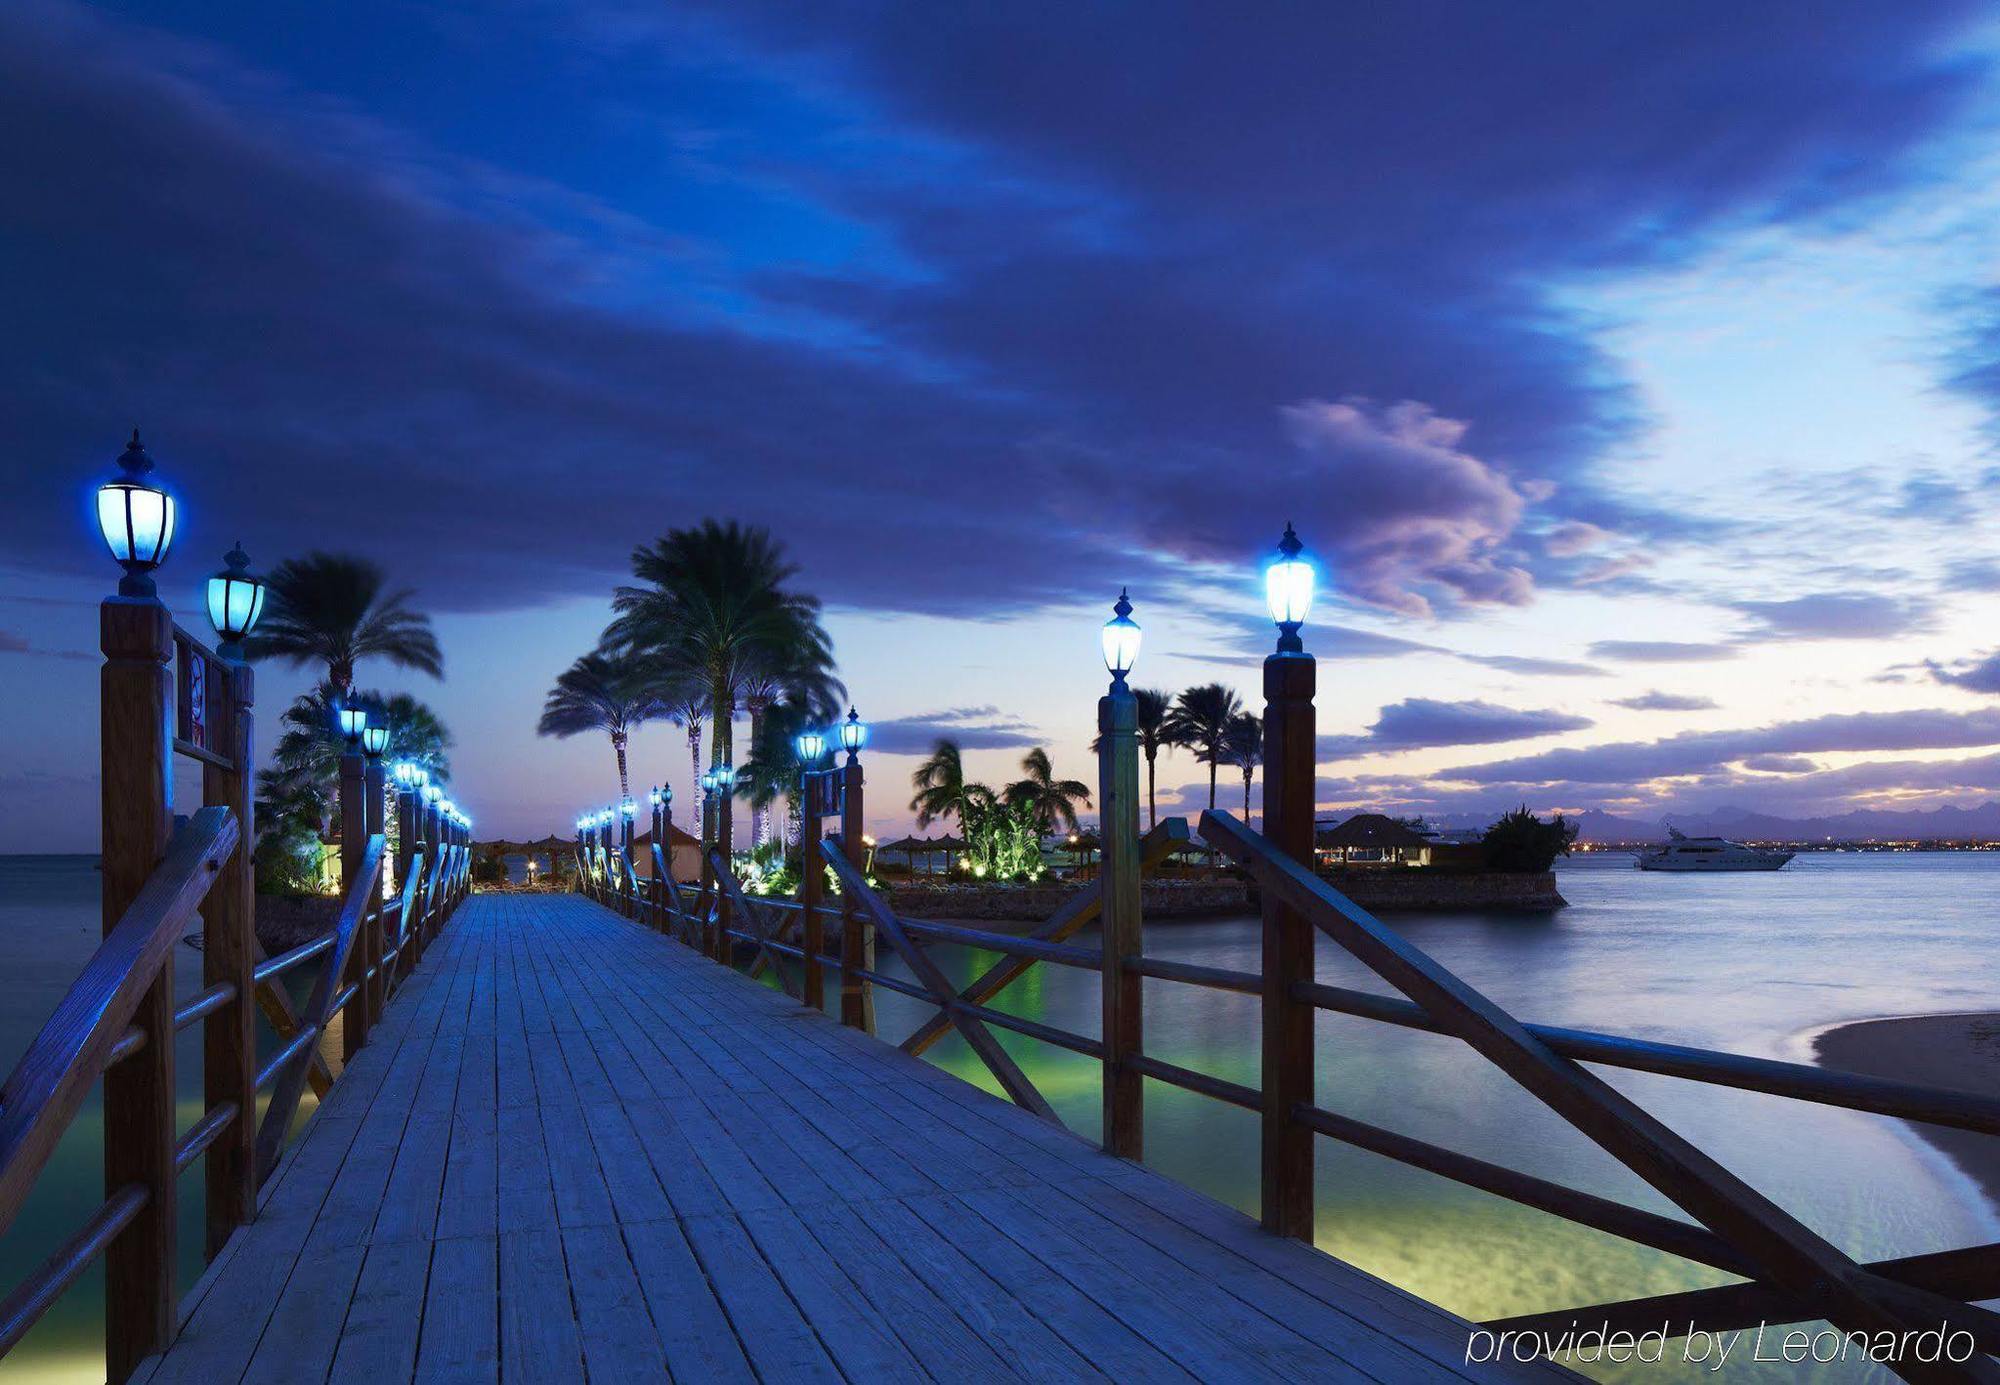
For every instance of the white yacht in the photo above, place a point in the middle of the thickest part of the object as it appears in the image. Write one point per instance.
(1709, 853)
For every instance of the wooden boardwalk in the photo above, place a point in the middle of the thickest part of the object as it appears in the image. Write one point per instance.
(574, 1149)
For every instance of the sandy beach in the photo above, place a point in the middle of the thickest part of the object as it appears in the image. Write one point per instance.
(1958, 1051)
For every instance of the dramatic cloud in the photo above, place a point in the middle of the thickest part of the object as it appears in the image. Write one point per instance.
(834, 265)
(1421, 721)
(1837, 616)
(1665, 702)
(974, 728)
(1695, 752)
(1660, 652)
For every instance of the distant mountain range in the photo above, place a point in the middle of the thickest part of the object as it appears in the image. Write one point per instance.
(1868, 824)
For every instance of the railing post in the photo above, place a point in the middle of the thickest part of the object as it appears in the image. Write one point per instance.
(812, 884)
(1118, 826)
(857, 944)
(628, 900)
(1289, 793)
(406, 848)
(135, 708)
(724, 831)
(375, 786)
(229, 955)
(355, 1017)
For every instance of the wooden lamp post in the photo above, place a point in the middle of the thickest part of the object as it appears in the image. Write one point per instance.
(857, 944)
(1289, 765)
(229, 925)
(1118, 816)
(813, 784)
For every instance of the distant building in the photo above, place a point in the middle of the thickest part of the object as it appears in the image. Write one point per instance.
(1371, 839)
(684, 861)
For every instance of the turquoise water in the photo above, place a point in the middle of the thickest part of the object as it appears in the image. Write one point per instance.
(1749, 963)
(1753, 963)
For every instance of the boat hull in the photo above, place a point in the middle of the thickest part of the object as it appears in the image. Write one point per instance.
(1700, 867)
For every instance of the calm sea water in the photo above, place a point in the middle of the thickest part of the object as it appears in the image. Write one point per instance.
(1752, 963)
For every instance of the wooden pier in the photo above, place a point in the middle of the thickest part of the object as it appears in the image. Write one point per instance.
(568, 1140)
(575, 1148)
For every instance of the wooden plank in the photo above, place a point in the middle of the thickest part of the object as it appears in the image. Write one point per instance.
(767, 1323)
(690, 1323)
(461, 1327)
(1027, 1346)
(538, 1334)
(905, 1304)
(836, 1308)
(619, 1342)
(298, 1343)
(378, 1342)
(1168, 1321)
(1099, 1336)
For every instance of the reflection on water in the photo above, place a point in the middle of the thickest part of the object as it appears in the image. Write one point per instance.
(50, 926)
(1751, 963)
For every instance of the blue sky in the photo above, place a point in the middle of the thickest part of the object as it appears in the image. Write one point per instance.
(1632, 370)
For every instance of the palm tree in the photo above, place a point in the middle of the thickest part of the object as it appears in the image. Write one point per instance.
(805, 681)
(714, 609)
(685, 706)
(298, 791)
(772, 770)
(330, 608)
(1051, 801)
(601, 692)
(1244, 748)
(942, 789)
(1199, 721)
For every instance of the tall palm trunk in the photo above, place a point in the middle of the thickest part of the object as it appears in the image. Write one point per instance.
(1248, 770)
(624, 782)
(694, 763)
(722, 712)
(1152, 808)
(1213, 761)
(757, 814)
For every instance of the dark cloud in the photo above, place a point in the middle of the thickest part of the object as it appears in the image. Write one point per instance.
(974, 728)
(1697, 752)
(11, 643)
(1780, 764)
(1037, 310)
(1837, 616)
(1416, 722)
(1665, 702)
(1660, 652)
(1980, 674)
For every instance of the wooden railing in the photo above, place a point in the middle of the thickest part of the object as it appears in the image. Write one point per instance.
(164, 694)
(1795, 1275)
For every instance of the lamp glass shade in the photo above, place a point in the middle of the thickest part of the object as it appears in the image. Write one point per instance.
(1288, 582)
(629, 808)
(375, 739)
(1121, 644)
(353, 721)
(653, 797)
(235, 601)
(1288, 586)
(406, 774)
(137, 521)
(810, 745)
(432, 793)
(1120, 638)
(853, 731)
